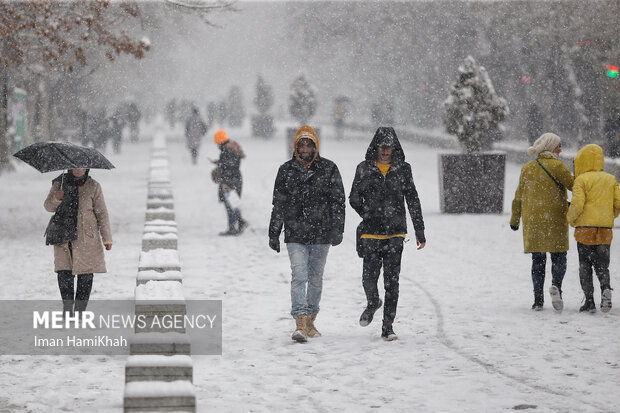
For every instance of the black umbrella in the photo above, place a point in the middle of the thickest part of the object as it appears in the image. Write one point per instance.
(56, 156)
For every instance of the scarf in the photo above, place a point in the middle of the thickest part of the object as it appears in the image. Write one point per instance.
(66, 215)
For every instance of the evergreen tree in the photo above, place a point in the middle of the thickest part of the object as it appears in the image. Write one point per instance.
(473, 110)
(302, 100)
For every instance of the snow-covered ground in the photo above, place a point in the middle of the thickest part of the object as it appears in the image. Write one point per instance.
(468, 341)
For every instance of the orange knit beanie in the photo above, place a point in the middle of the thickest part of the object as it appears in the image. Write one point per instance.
(220, 137)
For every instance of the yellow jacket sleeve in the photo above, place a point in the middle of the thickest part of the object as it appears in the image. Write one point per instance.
(577, 203)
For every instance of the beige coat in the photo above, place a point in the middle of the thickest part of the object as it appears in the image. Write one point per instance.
(542, 205)
(93, 225)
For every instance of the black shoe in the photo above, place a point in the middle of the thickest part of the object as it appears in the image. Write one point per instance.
(388, 334)
(369, 313)
(538, 303)
(242, 226)
(588, 306)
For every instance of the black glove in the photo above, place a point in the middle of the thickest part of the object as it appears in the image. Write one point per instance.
(274, 244)
(514, 227)
(336, 238)
(420, 236)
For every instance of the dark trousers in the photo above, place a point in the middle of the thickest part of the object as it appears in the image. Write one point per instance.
(384, 253)
(596, 256)
(558, 269)
(234, 216)
(81, 295)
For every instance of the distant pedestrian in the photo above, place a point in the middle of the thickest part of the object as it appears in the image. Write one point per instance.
(80, 224)
(382, 184)
(540, 201)
(116, 125)
(195, 129)
(612, 134)
(228, 175)
(534, 123)
(133, 118)
(595, 204)
(309, 202)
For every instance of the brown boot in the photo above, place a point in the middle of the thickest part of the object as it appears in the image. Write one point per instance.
(300, 335)
(310, 328)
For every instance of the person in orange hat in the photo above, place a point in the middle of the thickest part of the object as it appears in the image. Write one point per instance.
(309, 204)
(228, 175)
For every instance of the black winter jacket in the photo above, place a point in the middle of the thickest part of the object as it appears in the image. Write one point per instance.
(309, 204)
(229, 166)
(380, 200)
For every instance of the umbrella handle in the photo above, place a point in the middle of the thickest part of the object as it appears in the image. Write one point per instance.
(62, 181)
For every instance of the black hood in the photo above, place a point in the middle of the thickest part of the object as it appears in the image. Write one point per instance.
(385, 133)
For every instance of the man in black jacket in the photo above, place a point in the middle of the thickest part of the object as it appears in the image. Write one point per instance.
(381, 185)
(309, 202)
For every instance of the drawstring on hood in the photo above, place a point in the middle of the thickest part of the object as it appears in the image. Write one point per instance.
(306, 132)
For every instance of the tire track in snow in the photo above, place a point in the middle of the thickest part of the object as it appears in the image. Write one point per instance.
(490, 367)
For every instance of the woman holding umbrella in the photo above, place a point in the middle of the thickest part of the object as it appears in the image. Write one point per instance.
(76, 230)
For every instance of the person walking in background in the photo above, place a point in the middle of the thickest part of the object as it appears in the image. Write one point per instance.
(228, 175)
(540, 201)
(116, 125)
(382, 183)
(133, 117)
(534, 123)
(612, 134)
(595, 204)
(195, 129)
(79, 224)
(309, 203)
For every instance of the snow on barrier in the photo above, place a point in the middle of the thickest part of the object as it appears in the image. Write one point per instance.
(154, 240)
(159, 371)
(151, 275)
(142, 396)
(159, 259)
(159, 368)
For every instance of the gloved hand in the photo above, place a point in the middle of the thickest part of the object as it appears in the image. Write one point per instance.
(108, 246)
(336, 238)
(274, 244)
(514, 227)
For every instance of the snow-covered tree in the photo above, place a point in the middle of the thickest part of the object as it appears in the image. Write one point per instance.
(44, 40)
(473, 110)
(264, 96)
(236, 109)
(302, 101)
(262, 124)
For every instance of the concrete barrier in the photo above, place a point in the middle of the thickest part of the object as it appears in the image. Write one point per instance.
(175, 396)
(158, 368)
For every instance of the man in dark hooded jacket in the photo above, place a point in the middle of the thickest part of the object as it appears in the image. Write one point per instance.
(309, 202)
(381, 185)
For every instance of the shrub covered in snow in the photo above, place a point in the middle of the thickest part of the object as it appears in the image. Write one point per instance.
(302, 101)
(473, 110)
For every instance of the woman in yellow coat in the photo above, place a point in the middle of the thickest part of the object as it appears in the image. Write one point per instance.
(540, 201)
(596, 203)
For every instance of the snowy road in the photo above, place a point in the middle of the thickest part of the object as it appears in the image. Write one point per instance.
(468, 340)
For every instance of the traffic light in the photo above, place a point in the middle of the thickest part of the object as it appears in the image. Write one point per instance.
(612, 71)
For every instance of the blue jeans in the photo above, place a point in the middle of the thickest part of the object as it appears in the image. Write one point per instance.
(558, 269)
(307, 265)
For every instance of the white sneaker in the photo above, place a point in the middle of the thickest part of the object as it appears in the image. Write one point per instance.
(556, 298)
(606, 300)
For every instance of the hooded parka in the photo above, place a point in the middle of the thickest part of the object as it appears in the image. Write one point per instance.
(379, 200)
(93, 225)
(596, 195)
(308, 198)
(543, 205)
